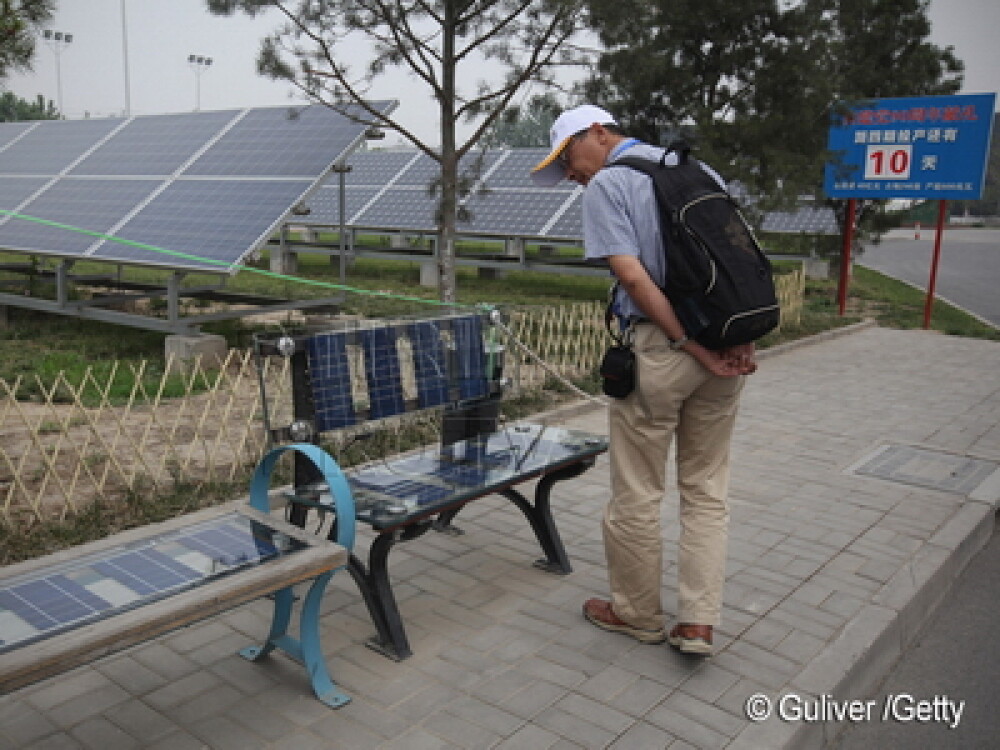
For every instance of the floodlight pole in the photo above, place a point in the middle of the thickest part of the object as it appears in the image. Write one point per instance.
(58, 41)
(199, 64)
(128, 96)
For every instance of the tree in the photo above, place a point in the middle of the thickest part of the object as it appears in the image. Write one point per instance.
(443, 44)
(525, 126)
(14, 108)
(754, 83)
(20, 21)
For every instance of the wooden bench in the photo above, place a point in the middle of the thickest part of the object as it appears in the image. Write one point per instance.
(69, 608)
(356, 376)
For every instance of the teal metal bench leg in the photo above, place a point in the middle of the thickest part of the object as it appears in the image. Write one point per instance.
(306, 649)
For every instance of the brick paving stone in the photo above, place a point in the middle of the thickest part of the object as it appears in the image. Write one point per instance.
(73, 684)
(571, 727)
(642, 736)
(459, 732)
(179, 740)
(143, 722)
(687, 728)
(165, 661)
(58, 741)
(100, 734)
(529, 737)
(180, 690)
(300, 740)
(709, 681)
(705, 713)
(222, 733)
(533, 699)
(338, 729)
(95, 702)
(22, 724)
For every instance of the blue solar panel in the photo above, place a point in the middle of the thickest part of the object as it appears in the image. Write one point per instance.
(385, 384)
(154, 145)
(330, 377)
(280, 142)
(324, 204)
(53, 145)
(515, 169)
(375, 168)
(513, 212)
(15, 190)
(570, 223)
(94, 205)
(76, 593)
(429, 364)
(213, 219)
(420, 493)
(401, 208)
(11, 131)
(468, 332)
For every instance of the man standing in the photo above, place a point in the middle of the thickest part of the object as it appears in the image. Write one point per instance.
(683, 391)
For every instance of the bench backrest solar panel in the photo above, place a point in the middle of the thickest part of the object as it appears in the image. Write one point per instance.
(439, 378)
(385, 382)
(330, 375)
(430, 364)
(471, 357)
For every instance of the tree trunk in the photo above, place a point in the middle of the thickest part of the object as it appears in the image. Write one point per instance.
(449, 163)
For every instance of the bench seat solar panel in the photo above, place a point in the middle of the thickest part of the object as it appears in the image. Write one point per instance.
(80, 592)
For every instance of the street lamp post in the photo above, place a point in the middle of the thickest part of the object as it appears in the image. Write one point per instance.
(199, 65)
(58, 40)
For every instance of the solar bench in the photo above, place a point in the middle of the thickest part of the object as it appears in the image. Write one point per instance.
(69, 608)
(353, 377)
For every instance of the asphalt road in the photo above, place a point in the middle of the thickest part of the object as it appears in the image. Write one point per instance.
(956, 658)
(968, 273)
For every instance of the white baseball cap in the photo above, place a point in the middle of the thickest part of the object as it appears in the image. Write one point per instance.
(549, 171)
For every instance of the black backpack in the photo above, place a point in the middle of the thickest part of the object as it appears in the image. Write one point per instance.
(718, 279)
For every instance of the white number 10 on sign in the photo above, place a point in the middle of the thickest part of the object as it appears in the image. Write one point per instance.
(888, 162)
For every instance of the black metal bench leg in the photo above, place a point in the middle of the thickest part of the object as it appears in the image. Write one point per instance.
(376, 589)
(539, 516)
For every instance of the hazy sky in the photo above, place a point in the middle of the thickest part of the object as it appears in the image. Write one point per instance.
(161, 34)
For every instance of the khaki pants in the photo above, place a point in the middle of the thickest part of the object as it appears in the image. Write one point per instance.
(674, 395)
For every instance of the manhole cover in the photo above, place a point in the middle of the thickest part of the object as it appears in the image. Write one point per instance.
(927, 468)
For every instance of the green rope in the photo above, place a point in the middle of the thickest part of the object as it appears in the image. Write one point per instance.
(210, 261)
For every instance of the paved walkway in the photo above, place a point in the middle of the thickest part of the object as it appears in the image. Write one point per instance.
(830, 573)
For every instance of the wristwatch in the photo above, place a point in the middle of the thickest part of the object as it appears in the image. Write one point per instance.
(679, 343)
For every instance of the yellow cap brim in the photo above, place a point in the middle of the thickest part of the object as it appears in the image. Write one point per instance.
(549, 171)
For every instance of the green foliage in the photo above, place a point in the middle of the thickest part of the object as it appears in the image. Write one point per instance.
(20, 22)
(521, 127)
(14, 108)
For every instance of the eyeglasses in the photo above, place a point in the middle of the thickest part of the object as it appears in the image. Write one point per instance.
(563, 158)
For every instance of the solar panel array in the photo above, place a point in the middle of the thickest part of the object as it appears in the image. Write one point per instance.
(805, 220)
(83, 591)
(395, 190)
(215, 185)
